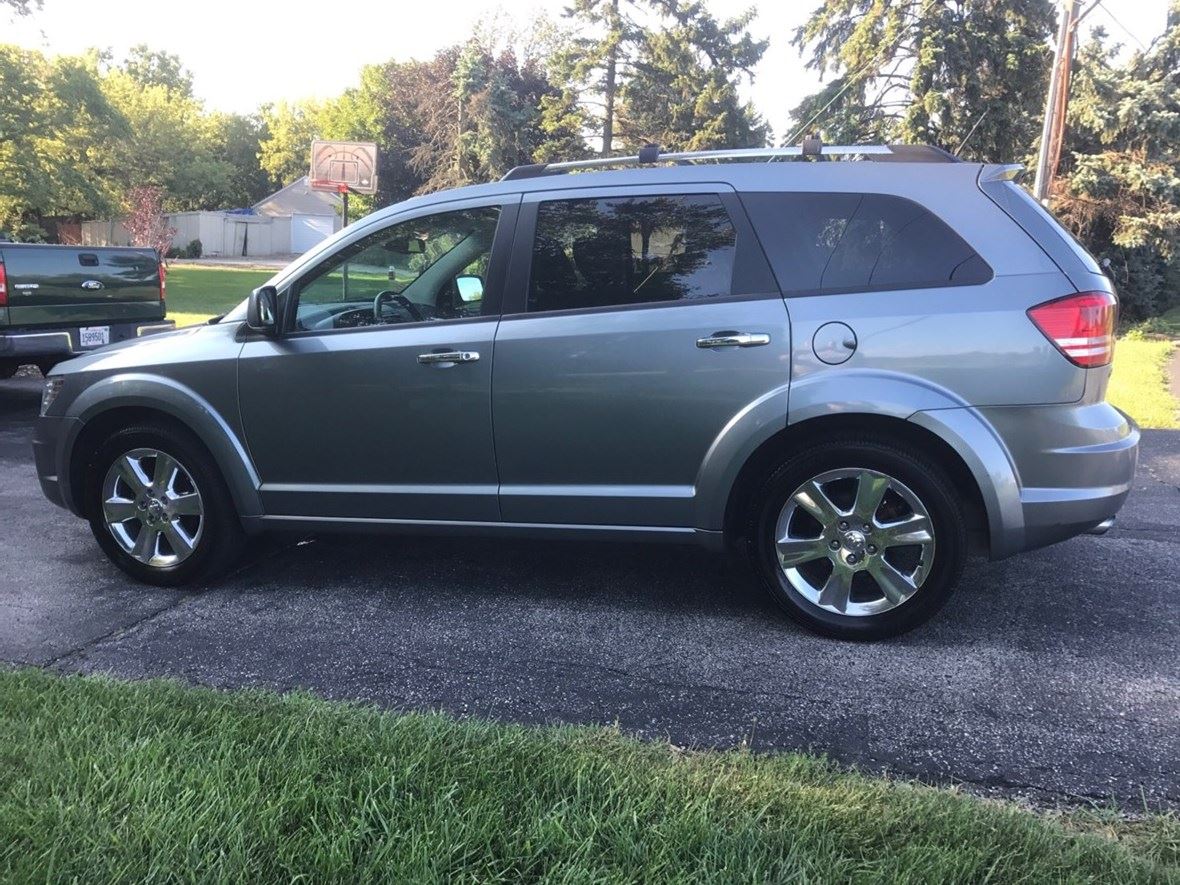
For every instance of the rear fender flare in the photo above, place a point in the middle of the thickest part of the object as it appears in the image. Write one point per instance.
(870, 393)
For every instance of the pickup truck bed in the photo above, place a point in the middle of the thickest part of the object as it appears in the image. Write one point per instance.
(58, 301)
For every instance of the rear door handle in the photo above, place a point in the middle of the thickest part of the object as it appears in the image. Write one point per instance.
(448, 356)
(734, 339)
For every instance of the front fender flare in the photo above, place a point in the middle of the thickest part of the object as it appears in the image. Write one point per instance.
(144, 390)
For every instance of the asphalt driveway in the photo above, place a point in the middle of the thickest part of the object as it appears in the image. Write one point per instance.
(1055, 675)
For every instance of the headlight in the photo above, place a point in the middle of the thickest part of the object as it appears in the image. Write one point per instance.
(49, 393)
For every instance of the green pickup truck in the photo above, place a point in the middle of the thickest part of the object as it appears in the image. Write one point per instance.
(59, 301)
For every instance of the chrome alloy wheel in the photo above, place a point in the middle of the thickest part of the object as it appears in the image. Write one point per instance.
(855, 541)
(152, 507)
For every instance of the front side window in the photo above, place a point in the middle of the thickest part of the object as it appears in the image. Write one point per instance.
(634, 250)
(428, 269)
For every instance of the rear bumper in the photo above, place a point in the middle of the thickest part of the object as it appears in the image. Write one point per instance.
(34, 344)
(1075, 466)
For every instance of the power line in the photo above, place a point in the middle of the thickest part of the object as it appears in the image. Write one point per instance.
(1124, 28)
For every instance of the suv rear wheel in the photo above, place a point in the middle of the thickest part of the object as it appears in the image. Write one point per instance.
(859, 539)
(159, 507)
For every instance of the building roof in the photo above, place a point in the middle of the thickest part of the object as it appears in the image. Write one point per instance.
(298, 198)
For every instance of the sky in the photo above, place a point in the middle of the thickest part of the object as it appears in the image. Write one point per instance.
(246, 52)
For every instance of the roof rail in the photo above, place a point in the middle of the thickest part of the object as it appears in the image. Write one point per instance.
(907, 153)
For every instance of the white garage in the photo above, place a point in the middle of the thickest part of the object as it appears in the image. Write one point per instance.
(309, 230)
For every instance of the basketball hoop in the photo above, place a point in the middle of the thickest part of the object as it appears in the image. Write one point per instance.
(343, 167)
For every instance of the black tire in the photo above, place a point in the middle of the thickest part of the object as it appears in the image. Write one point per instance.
(923, 478)
(221, 538)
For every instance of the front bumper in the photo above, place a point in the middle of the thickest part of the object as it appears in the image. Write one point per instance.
(34, 344)
(51, 436)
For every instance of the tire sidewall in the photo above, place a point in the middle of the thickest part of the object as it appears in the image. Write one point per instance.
(923, 478)
(216, 530)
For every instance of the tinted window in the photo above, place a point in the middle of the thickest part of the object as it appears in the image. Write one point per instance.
(856, 242)
(600, 252)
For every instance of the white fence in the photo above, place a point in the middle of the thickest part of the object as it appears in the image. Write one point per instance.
(224, 234)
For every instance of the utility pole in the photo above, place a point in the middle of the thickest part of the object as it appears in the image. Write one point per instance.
(1053, 129)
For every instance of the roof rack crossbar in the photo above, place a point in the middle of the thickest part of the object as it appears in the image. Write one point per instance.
(920, 153)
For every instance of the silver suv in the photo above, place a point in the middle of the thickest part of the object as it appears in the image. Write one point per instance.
(856, 372)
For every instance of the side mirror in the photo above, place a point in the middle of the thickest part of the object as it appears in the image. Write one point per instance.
(262, 310)
(470, 287)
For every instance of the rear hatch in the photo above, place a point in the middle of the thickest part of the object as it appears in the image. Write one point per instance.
(1079, 336)
(66, 285)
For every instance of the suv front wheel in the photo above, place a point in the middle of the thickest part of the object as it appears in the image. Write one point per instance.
(159, 508)
(859, 539)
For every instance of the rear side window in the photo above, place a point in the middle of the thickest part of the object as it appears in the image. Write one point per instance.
(821, 243)
(634, 250)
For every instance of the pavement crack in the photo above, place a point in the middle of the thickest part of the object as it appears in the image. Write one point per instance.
(121, 630)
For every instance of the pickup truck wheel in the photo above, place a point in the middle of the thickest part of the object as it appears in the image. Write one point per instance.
(159, 508)
(859, 539)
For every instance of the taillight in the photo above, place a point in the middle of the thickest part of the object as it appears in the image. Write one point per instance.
(3, 287)
(160, 271)
(1080, 325)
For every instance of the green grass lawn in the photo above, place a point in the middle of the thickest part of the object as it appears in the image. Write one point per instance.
(1171, 320)
(102, 780)
(197, 293)
(1139, 385)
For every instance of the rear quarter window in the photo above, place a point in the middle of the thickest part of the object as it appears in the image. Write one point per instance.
(820, 243)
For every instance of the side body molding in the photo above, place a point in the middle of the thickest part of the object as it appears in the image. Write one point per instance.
(145, 390)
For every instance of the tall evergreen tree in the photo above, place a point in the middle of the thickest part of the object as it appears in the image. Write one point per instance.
(966, 75)
(637, 56)
(679, 98)
(1119, 185)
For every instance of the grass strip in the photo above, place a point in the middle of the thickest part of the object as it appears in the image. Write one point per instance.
(154, 781)
(1139, 385)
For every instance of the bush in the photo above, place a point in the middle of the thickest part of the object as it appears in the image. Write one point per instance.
(192, 250)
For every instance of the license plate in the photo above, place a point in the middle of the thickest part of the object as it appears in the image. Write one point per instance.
(94, 336)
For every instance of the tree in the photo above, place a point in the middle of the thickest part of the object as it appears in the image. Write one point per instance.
(168, 145)
(1119, 188)
(150, 67)
(965, 75)
(57, 130)
(285, 150)
(678, 98)
(238, 139)
(626, 49)
(146, 222)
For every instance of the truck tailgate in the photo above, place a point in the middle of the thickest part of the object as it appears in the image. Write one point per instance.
(56, 285)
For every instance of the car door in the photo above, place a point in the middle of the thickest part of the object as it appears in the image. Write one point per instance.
(637, 324)
(374, 404)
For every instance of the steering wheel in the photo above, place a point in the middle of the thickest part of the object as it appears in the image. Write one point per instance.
(389, 295)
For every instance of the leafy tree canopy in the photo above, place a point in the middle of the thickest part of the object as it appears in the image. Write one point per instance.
(967, 75)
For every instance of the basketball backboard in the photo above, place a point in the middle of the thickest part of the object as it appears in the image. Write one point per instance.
(341, 166)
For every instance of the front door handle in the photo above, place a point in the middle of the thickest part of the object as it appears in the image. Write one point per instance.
(448, 356)
(734, 339)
